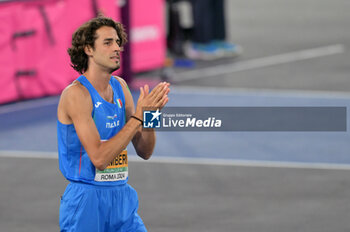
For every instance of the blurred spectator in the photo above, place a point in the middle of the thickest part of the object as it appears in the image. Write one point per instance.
(208, 40)
(179, 30)
(202, 24)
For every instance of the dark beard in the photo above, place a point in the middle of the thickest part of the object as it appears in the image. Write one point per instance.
(116, 68)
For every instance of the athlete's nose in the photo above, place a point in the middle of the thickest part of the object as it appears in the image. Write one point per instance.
(117, 47)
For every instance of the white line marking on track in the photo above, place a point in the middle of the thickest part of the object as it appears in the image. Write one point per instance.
(260, 62)
(205, 90)
(249, 163)
(194, 161)
(30, 104)
(28, 154)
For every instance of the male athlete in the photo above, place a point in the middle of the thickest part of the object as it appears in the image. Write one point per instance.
(96, 122)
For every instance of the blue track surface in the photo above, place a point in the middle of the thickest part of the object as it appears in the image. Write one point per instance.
(31, 126)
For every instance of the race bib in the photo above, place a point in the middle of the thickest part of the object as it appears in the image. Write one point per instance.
(116, 170)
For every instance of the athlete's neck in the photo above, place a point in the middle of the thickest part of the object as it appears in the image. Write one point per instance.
(100, 80)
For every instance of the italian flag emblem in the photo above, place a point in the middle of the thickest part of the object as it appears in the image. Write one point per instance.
(120, 103)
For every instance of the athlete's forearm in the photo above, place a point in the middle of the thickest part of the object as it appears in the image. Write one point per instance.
(108, 150)
(144, 143)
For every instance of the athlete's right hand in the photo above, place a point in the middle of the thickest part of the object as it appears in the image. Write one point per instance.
(156, 99)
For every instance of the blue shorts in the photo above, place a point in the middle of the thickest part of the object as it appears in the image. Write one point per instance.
(86, 208)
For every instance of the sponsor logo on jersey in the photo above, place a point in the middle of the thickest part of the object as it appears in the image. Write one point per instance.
(112, 117)
(98, 104)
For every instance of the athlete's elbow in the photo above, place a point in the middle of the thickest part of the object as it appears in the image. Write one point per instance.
(96, 158)
(145, 155)
(99, 164)
(100, 167)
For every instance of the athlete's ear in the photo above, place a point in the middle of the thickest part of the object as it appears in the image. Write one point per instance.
(88, 50)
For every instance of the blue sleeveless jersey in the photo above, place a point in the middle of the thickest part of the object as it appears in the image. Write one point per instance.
(109, 119)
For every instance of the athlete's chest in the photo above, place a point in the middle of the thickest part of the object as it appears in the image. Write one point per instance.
(107, 95)
(108, 116)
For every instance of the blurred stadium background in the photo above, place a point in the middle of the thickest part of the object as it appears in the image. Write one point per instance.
(295, 53)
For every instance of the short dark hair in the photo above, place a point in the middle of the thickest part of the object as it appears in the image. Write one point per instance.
(85, 35)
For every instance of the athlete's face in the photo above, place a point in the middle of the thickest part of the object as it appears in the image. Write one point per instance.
(106, 53)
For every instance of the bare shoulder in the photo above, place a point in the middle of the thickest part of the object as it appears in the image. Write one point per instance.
(122, 82)
(74, 97)
(124, 85)
(73, 92)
